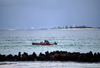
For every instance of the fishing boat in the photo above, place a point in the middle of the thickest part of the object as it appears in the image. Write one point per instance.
(45, 43)
(33, 43)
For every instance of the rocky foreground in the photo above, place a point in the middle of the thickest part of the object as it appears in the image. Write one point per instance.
(53, 56)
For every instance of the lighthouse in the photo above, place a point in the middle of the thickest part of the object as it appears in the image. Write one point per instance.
(73, 25)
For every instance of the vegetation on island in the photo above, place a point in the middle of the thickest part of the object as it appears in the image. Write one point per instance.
(71, 27)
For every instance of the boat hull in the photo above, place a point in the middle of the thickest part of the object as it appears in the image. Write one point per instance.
(41, 44)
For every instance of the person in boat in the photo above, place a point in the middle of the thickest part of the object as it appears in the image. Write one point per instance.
(55, 43)
(46, 42)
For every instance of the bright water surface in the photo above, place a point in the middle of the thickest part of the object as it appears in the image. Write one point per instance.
(49, 65)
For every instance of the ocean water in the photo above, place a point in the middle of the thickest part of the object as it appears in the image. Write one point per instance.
(14, 41)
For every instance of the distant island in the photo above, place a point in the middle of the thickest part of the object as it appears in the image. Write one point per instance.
(59, 27)
(76, 27)
(82, 27)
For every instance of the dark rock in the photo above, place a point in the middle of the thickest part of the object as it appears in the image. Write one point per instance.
(9, 57)
(41, 57)
(89, 55)
(82, 58)
(30, 58)
(16, 58)
(47, 56)
(2, 57)
(53, 56)
(19, 54)
(96, 57)
(24, 57)
(74, 57)
(34, 55)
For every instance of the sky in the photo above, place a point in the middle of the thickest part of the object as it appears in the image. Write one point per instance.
(29, 14)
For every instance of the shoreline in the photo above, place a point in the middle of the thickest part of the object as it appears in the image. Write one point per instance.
(53, 56)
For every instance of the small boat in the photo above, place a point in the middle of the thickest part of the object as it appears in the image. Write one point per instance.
(34, 43)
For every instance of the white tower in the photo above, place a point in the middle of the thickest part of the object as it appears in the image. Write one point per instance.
(73, 25)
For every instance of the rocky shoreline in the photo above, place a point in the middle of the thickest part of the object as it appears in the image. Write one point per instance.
(53, 56)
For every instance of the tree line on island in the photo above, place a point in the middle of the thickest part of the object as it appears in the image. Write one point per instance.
(66, 27)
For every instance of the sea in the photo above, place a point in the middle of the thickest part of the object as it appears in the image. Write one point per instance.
(70, 40)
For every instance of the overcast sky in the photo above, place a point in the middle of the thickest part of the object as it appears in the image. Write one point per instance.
(23, 14)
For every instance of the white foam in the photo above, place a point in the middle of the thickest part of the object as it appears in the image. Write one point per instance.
(43, 64)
